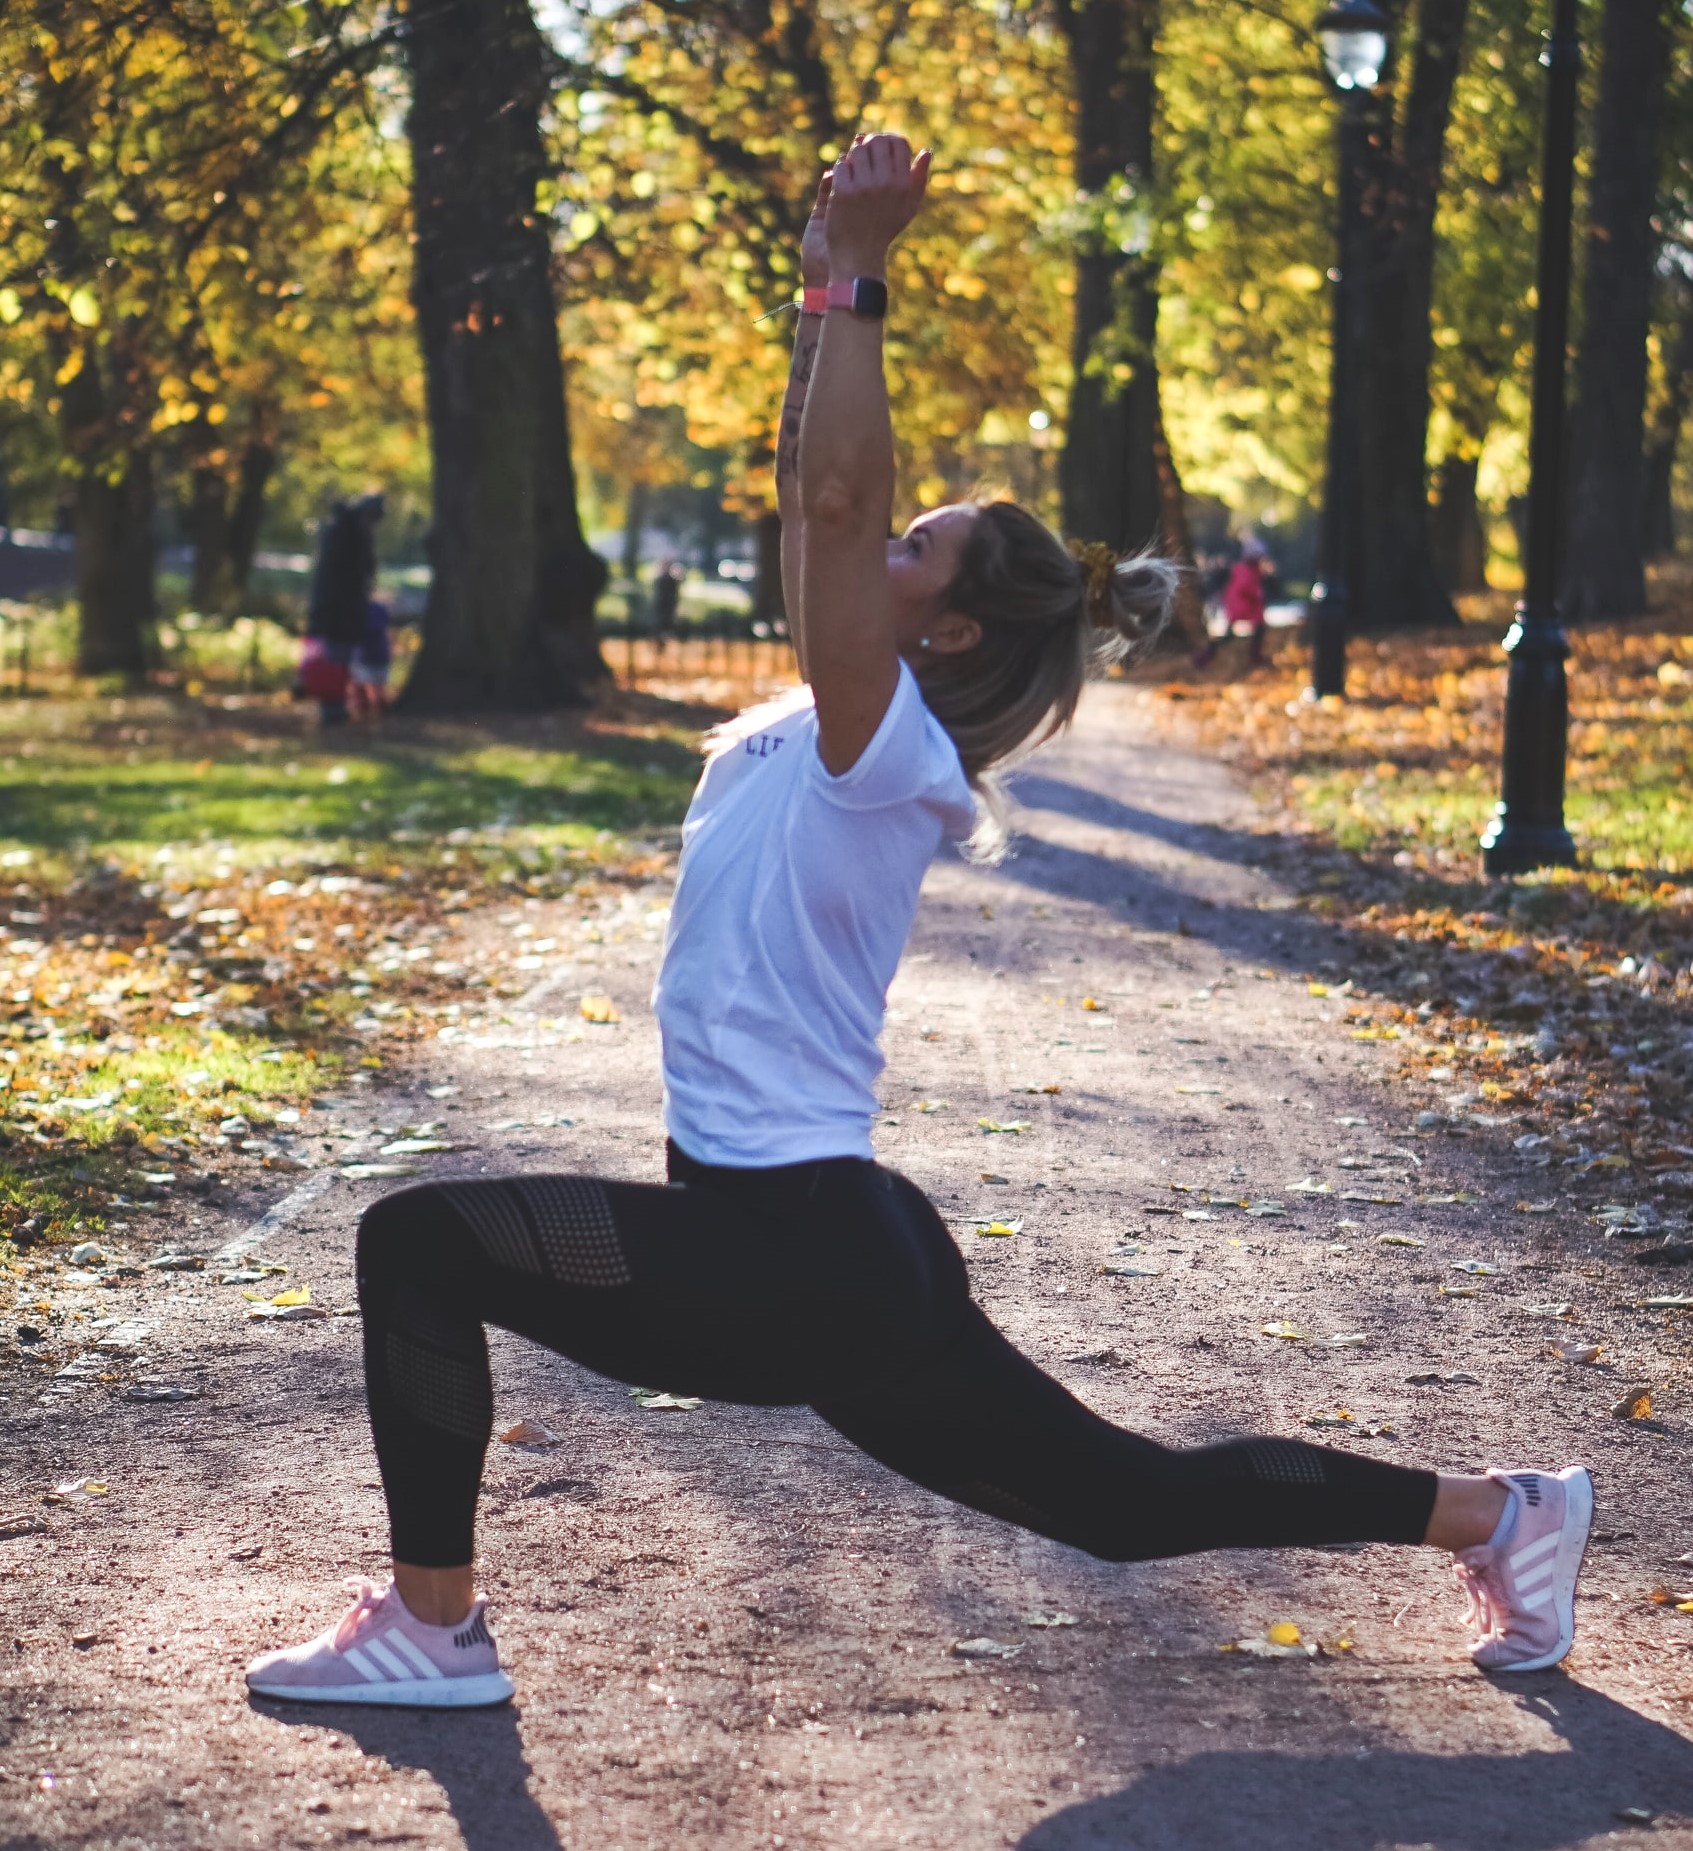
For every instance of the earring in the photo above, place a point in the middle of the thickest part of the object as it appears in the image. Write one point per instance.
(924, 644)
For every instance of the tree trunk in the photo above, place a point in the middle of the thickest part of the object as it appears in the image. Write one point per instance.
(1663, 439)
(1116, 479)
(112, 503)
(246, 514)
(1398, 586)
(509, 622)
(634, 529)
(114, 569)
(1459, 539)
(1604, 559)
(768, 605)
(212, 587)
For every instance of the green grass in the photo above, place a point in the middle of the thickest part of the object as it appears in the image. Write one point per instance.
(144, 836)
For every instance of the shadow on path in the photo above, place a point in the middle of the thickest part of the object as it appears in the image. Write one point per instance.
(1062, 797)
(1262, 1800)
(476, 1757)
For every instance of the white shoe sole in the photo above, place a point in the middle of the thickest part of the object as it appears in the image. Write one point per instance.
(1572, 1549)
(435, 1693)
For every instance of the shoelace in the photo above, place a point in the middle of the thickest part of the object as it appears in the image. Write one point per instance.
(1484, 1592)
(367, 1597)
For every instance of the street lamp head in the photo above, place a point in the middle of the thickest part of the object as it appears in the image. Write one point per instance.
(1353, 35)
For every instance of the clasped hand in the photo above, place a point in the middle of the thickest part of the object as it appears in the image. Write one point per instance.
(864, 202)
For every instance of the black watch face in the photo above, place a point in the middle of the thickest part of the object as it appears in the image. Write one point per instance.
(869, 297)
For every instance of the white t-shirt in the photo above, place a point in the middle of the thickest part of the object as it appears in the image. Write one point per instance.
(795, 898)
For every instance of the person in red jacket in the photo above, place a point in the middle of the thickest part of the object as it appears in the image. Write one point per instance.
(1243, 602)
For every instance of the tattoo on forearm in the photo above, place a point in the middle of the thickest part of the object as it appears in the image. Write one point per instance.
(793, 406)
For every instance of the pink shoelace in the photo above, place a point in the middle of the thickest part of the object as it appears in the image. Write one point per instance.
(367, 1597)
(1483, 1589)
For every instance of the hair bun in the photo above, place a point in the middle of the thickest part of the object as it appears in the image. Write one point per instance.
(1140, 597)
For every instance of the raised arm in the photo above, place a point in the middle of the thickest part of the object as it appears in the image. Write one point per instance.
(814, 273)
(846, 464)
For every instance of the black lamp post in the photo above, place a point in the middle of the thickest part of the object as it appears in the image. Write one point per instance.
(1353, 35)
(1528, 830)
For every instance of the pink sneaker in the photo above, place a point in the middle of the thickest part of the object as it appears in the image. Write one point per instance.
(1522, 1590)
(381, 1653)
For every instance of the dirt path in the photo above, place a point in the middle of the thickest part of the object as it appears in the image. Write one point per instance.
(729, 1630)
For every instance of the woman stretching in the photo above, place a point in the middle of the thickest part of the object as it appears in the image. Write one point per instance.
(782, 1264)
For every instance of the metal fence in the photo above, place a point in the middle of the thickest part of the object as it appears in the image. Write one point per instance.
(721, 662)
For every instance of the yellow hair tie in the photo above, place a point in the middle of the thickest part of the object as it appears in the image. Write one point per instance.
(1099, 562)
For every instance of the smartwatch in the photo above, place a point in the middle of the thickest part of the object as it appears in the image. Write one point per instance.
(863, 295)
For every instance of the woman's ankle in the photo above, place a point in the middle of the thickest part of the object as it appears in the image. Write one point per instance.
(1466, 1511)
(436, 1596)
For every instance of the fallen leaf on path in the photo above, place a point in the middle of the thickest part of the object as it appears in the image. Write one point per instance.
(1398, 1240)
(1635, 1405)
(1479, 1267)
(1311, 1185)
(296, 1311)
(599, 1009)
(1014, 1127)
(76, 1491)
(1349, 1340)
(1432, 1378)
(1536, 1208)
(1575, 1352)
(1282, 1640)
(1462, 1291)
(1263, 1211)
(1203, 1091)
(1675, 1301)
(376, 1172)
(1281, 1328)
(933, 1105)
(997, 1230)
(177, 1263)
(1562, 1309)
(984, 1648)
(659, 1401)
(529, 1433)
(1379, 1201)
(20, 1523)
(1051, 1086)
(294, 1295)
(1092, 1003)
(415, 1147)
(989, 1176)
(1131, 1272)
(159, 1391)
(1349, 1422)
(1050, 1619)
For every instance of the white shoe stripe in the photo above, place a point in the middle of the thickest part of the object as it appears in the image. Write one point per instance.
(1537, 1577)
(354, 1656)
(414, 1655)
(391, 1662)
(1534, 1550)
(1536, 1600)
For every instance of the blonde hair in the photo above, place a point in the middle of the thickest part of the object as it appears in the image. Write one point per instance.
(1051, 616)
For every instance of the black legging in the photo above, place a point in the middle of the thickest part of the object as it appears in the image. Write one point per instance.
(831, 1283)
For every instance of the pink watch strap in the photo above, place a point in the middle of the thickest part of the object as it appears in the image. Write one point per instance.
(814, 300)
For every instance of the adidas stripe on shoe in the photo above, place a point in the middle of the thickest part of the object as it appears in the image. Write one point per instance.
(1522, 1588)
(380, 1652)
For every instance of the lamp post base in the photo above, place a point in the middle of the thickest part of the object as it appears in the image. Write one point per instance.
(1327, 616)
(1520, 848)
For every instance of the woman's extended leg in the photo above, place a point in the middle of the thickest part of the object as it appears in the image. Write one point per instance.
(978, 1422)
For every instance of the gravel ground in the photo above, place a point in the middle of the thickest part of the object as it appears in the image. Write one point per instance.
(728, 1629)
